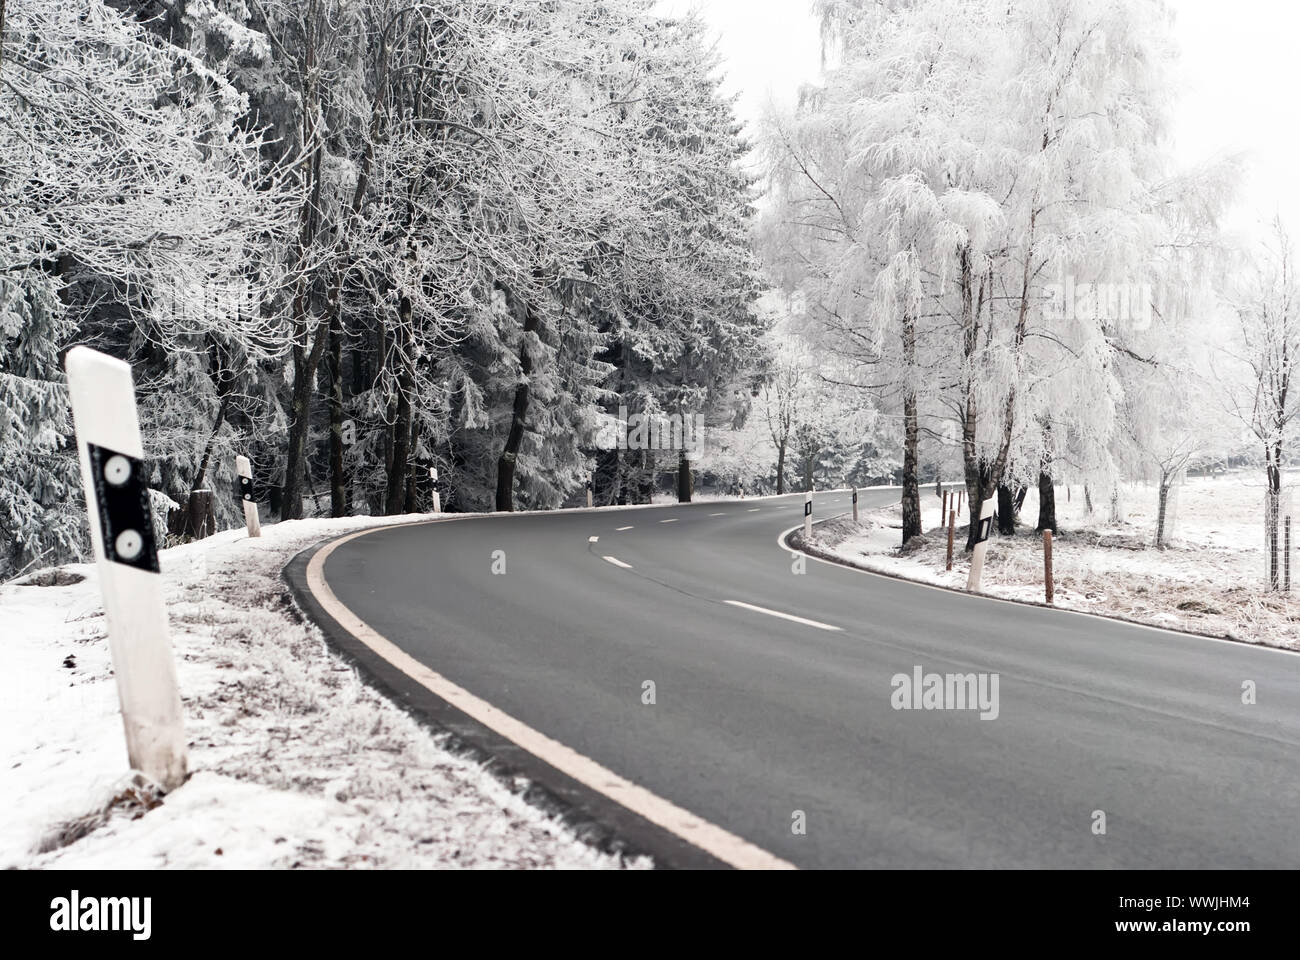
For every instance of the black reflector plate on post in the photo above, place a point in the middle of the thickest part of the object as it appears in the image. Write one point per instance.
(246, 489)
(125, 519)
(986, 528)
(807, 508)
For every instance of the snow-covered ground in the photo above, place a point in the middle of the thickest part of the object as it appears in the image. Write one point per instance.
(1211, 580)
(295, 761)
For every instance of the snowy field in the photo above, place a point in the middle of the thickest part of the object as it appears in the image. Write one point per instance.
(1211, 580)
(295, 762)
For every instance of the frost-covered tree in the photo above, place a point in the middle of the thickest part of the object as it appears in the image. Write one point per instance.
(39, 482)
(678, 298)
(127, 176)
(1260, 388)
(958, 160)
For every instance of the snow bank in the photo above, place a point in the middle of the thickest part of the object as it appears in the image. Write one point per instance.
(1210, 581)
(295, 761)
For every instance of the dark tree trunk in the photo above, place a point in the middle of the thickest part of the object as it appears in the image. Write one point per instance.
(415, 470)
(911, 462)
(414, 477)
(685, 483)
(780, 469)
(808, 462)
(973, 467)
(201, 474)
(911, 485)
(620, 477)
(399, 468)
(306, 354)
(338, 486)
(510, 454)
(197, 510)
(1006, 511)
(1046, 503)
(305, 363)
(645, 478)
(200, 515)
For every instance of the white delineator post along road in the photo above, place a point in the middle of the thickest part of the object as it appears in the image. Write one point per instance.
(244, 468)
(981, 545)
(807, 516)
(104, 413)
(433, 479)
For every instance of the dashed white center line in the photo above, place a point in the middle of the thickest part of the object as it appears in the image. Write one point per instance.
(717, 514)
(752, 510)
(784, 616)
(593, 539)
(673, 520)
(621, 529)
(619, 563)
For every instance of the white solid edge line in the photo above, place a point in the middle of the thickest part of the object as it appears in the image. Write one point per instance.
(620, 529)
(784, 616)
(695, 830)
(781, 542)
(617, 562)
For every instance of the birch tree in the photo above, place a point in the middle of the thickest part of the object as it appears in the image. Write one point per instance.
(1260, 390)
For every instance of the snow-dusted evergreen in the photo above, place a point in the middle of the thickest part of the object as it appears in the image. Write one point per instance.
(356, 239)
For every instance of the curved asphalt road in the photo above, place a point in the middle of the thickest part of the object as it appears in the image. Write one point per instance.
(758, 717)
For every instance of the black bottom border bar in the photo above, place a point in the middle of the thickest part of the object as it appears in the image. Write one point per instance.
(989, 912)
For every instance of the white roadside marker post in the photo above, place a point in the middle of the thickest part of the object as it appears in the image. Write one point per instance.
(981, 545)
(855, 504)
(807, 517)
(126, 556)
(245, 470)
(437, 499)
(588, 491)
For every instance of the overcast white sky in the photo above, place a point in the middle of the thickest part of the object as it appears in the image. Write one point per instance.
(1241, 77)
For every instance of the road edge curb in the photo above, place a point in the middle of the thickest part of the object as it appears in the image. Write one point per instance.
(792, 540)
(594, 819)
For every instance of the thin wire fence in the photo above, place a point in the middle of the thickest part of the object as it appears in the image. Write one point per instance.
(1279, 509)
